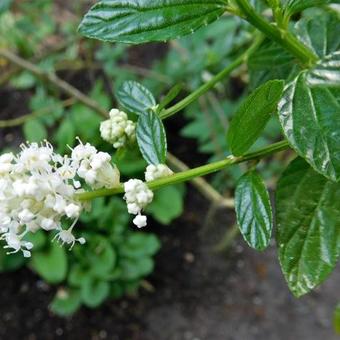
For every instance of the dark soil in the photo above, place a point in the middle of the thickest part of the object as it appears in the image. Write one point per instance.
(198, 295)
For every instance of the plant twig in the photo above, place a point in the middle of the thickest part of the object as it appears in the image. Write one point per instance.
(201, 184)
(54, 80)
(192, 173)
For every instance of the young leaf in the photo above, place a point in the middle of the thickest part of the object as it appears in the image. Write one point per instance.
(66, 302)
(151, 138)
(253, 115)
(135, 21)
(135, 97)
(253, 210)
(309, 110)
(171, 95)
(308, 226)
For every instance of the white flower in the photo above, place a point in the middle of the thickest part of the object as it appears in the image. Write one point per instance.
(95, 167)
(157, 171)
(118, 130)
(137, 196)
(140, 221)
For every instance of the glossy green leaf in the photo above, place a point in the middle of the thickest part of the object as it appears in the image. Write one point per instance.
(151, 138)
(310, 117)
(139, 245)
(252, 116)
(308, 226)
(51, 264)
(253, 210)
(309, 110)
(135, 21)
(66, 302)
(94, 292)
(135, 97)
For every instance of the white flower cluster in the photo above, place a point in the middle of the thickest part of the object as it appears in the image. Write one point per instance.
(154, 172)
(38, 187)
(118, 130)
(137, 197)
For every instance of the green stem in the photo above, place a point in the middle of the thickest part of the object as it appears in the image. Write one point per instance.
(211, 83)
(283, 37)
(192, 173)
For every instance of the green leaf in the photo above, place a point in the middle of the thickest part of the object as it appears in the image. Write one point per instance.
(94, 292)
(10, 262)
(135, 97)
(138, 245)
(66, 302)
(151, 138)
(135, 21)
(170, 96)
(167, 204)
(308, 226)
(252, 116)
(270, 61)
(51, 264)
(65, 135)
(136, 268)
(336, 319)
(292, 7)
(34, 131)
(253, 210)
(310, 118)
(309, 110)
(77, 275)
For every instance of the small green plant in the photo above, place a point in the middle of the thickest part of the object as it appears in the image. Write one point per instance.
(291, 50)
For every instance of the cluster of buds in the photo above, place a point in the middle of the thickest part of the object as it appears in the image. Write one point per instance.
(118, 130)
(137, 196)
(38, 189)
(154, 172)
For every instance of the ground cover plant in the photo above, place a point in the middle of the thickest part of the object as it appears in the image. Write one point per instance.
(291, 50)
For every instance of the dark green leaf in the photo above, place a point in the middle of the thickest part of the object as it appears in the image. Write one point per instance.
(135, 97)
(51, 264)
(309, 111)
(151, 138)
(253, 210)
(94, 292)
(252, 116)
(134, 21)
(308, 226)
(136, 268)
(310, 117)
(66, 302)
(138, 245)
(270, 61)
